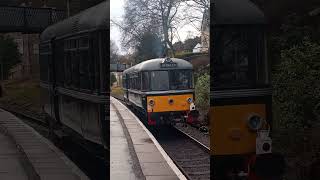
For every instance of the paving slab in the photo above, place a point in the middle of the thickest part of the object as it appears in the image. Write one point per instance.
(31, 156)
(10, 165)
(154, 163)
(121, 163)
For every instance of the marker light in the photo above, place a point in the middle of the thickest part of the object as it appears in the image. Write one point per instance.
(151, 102)
(255, 122)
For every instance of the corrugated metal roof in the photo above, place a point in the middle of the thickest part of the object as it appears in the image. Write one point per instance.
(236, 12)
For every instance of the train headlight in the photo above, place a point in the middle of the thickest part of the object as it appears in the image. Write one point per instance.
(189, 100)
(151, 102)
(255, 122)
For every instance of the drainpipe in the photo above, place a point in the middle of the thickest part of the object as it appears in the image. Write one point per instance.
(68, 8)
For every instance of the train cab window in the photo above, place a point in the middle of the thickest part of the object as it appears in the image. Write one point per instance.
(160, 80)
(181, 79)
(238, 57)
(145, 81)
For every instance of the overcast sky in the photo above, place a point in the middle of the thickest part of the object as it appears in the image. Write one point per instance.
(117, 12)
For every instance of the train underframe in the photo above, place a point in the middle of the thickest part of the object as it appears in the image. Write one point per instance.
(171, 118)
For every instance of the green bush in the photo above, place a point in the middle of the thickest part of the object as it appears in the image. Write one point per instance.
(297, 86)
(9, 55)
(202, 93)
(113, 79)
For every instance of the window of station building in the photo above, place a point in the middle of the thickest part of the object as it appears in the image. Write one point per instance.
(145, 81)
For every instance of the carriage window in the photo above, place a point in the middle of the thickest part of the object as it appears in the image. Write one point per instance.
(181, 79)
(75, 69)
(84, 42)
(67, 68)
(138, 79)
(145, 81)
(159, 80)
(84, 70)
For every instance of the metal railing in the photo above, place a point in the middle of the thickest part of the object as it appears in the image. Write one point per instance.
(28, 19)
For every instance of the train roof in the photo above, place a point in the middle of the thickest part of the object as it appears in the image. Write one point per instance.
(155, 64)
(92, 18)
(228, 12)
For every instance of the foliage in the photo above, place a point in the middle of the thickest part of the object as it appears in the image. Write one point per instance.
(148, 47)
(9, 54)
(202, 92)
(117, 92)
(189, 44)
(297, 85)
(113, 79)
(158, 16)
(114, 52)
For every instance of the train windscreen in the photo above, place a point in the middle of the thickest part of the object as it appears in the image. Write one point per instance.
(159, 80)
(171, 80)
(181, 79)
(239, 58)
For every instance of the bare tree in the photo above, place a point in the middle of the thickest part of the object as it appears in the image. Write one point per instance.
(199, 18)
(114, 52)
(158, 16)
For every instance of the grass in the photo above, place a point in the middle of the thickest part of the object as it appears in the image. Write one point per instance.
(23, 93)
(117, 92)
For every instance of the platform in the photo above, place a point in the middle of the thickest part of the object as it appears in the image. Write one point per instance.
(25, 154)
(134, 150)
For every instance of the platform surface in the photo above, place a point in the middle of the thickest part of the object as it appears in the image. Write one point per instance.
(25, 154)
(10, 166)
(143, 151)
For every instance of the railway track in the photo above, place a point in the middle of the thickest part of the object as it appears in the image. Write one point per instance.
(191, 156)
